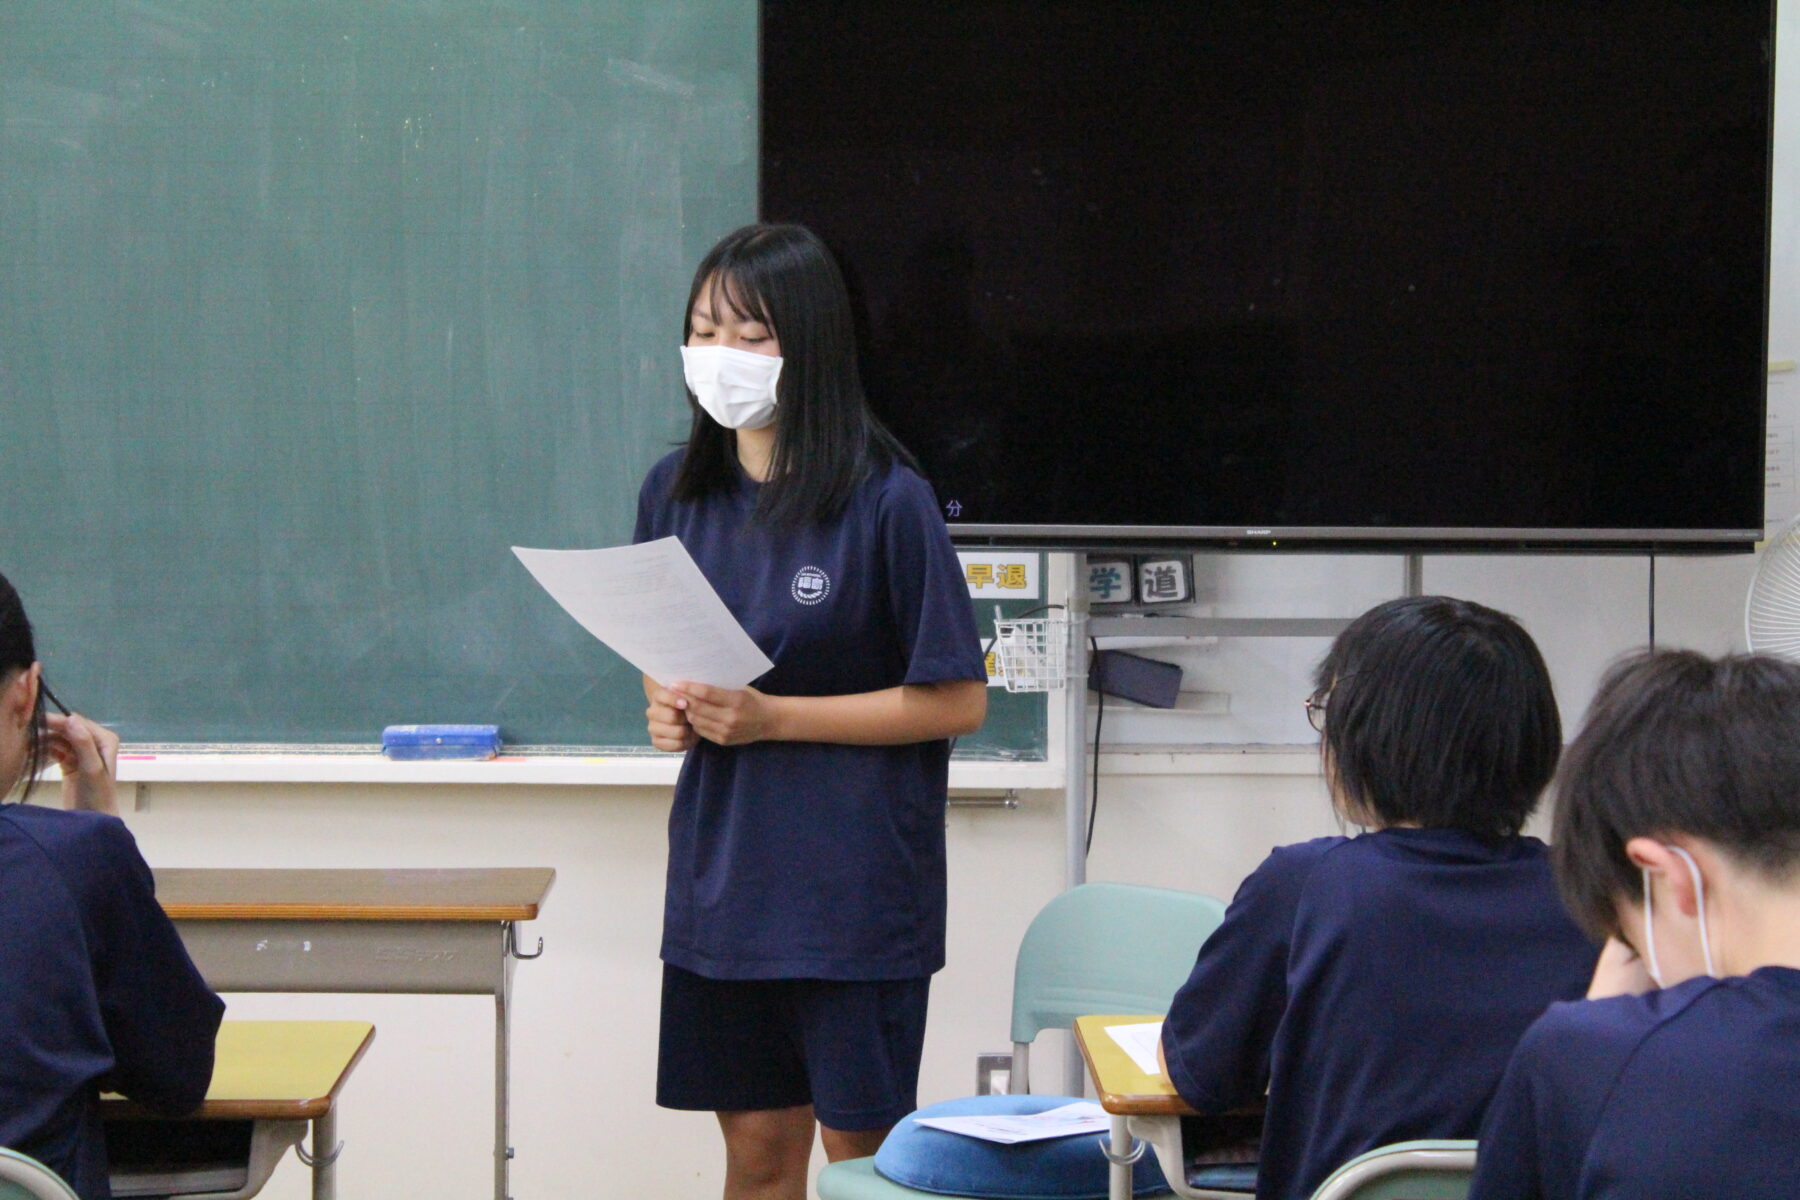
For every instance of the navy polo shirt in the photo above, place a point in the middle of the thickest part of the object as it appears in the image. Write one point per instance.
(1374, 986)
(95, 988)
(802, 859)
(1689, 1092)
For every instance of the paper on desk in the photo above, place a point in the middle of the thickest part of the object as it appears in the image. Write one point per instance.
(1139, 1041)
(651, 604)
(1083, 1116)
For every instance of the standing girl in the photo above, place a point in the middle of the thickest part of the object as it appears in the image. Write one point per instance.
(804, 912)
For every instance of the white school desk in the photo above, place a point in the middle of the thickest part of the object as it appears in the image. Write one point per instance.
(275, 1075)
(422, 931)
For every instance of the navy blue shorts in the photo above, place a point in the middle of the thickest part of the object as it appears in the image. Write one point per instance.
(851, 1050)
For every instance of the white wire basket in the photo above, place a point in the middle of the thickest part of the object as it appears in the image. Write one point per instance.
(1031, 654)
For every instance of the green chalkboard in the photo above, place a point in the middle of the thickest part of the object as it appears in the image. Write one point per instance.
(309, 309)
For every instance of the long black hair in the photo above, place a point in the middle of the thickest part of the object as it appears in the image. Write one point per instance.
(17, 653)
(1439, 711)
(826, 439)
(1676, 742)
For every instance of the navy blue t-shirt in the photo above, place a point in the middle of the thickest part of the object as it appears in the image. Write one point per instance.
(1374, 986)
(94, 986)
(802, 860)
(1689, 1092)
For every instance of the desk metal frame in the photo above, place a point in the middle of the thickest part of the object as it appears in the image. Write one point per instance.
(1141, 1107)
(420, 948)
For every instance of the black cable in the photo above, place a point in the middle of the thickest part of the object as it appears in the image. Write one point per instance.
(1099, 719)
(1653, 600)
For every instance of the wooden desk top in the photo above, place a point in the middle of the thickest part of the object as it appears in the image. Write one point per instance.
(429, 894)
(1123, 1088)
(290, 1070)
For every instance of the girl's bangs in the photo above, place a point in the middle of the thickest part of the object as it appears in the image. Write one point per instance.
(728, 290)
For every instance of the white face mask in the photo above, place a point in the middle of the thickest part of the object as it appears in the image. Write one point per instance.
(735, 387)
(1650, 912)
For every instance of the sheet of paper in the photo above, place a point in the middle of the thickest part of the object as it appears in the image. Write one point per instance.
(1139, 1041)
(1083, 1116)
(652, 605)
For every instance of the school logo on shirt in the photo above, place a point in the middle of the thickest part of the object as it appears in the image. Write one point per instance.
(811, 585)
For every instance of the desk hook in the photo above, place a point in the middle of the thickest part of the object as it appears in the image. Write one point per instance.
(315, 1161)
(512, 944)
(1122, 1160)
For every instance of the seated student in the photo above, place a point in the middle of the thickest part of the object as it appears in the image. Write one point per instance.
(1678, 838)
(1375, 985)
(96, 990)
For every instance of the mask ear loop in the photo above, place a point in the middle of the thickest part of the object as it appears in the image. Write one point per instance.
(1650, 933)
(1700, 907)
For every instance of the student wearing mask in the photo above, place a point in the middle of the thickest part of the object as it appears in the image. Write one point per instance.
(96, 990)
(1373, 986)
(1678, 840)
(805, 905)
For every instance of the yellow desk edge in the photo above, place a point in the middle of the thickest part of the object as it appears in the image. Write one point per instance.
(289, 1068)
(1123, 1087)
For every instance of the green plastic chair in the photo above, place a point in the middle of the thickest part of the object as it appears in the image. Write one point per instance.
(1431, 1170)
(1097, 948)
(24, 1178)
(1103, 948)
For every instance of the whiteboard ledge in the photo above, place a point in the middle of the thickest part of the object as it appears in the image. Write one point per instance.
(1122, 761)
(624, 770)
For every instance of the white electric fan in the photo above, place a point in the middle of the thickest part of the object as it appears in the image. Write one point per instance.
(1772, 611)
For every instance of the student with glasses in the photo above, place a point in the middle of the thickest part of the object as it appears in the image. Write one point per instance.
(1373, 986)
(96, 990)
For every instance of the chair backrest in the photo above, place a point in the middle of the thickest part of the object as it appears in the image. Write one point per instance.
(24, 1178)
(1107, 948)
(1434, 1170)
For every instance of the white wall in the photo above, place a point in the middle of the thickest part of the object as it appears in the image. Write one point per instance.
(416, 1117)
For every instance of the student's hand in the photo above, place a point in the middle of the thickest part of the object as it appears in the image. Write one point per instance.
(88, 754)
(669, 728)
(730, 717)
(1620, 972)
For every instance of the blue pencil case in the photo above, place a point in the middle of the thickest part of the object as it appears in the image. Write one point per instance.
(413, 742)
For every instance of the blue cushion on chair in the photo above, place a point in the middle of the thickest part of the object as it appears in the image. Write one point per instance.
(949, 1164)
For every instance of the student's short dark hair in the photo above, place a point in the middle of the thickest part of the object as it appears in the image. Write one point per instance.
(1676, 742)
(17, 653)
(826, 438)
(1439, 711)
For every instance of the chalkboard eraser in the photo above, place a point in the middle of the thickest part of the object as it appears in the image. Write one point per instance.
(412, 742)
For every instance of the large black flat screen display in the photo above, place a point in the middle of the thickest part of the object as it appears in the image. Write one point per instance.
(1417, 272)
